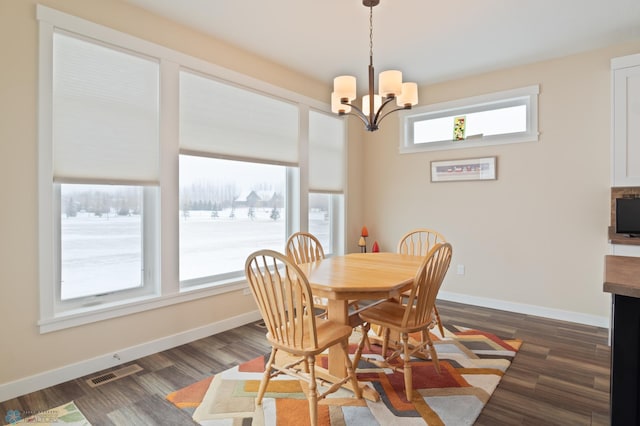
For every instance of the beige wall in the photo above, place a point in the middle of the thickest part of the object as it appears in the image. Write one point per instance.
(25, 352)
(517, 236)
(538, 235)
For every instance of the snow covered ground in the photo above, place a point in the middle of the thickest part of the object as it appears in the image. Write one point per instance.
(103, 254)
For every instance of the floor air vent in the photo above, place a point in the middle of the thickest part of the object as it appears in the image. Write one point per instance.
(113, 375)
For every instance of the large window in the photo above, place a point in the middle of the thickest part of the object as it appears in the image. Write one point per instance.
(102, 241)
(504, 117)
(159, 173)
(105, 120)
(228, 209)
(233, 206)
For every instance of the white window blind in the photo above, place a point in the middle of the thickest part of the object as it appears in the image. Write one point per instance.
(105, 113)
(326, 153)
(223, 120)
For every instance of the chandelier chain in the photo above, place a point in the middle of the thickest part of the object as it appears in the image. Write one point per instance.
(371, 31)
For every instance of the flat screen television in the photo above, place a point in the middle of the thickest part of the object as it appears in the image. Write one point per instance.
(628, 216)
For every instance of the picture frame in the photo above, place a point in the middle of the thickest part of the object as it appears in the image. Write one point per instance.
(459, 128)
(464, 169)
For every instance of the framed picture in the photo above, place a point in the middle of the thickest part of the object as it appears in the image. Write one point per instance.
(464, 169)
(459, 128)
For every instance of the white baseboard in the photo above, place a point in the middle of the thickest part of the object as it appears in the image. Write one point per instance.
(523, 308)
(72, 371)
(69, 372)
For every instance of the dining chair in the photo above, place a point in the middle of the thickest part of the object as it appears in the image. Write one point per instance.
(285, 300)
(304, 247)
(418, 242)
(414, 316)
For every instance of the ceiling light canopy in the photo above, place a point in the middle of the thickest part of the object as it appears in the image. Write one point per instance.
(390, 87)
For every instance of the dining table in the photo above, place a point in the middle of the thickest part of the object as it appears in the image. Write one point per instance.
(358, 276)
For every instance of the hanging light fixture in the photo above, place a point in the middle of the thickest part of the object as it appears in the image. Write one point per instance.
(391, 88)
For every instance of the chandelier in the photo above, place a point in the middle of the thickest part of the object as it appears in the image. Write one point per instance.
(391, 88)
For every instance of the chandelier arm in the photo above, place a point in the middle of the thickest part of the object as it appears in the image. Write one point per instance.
(379, 119)
(358, 113)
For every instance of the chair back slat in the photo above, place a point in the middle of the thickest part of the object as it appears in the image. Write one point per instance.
(303, 247)
(426, 285)
(419, 241)
(284, 298)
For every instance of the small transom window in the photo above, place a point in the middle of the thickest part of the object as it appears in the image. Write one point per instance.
(497, 118)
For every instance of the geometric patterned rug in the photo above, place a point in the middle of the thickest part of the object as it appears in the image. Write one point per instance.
(472, 362)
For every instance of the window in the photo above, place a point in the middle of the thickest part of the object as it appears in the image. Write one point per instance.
(320, 219)
(325, 220)
(228, 209)
(220, 175)
(326, 179)
(104, 131)
(498, 118)
(102, 241)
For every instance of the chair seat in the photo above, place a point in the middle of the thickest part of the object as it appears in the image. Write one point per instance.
(328, 332)
(389, 314)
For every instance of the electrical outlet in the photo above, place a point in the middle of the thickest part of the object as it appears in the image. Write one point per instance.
(246, 292)
(460, 270)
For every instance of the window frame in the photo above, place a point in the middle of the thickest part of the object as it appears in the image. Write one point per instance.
(233, 276)
(150, 257)
(527, 96)
(166, 221)
(336, 222)
(336, 193)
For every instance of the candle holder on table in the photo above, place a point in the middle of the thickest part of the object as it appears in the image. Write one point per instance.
(362, 242)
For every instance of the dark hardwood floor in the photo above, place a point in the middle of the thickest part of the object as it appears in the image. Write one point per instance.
(559, 377)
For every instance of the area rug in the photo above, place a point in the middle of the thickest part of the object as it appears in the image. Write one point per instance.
(66, 414)
(472, 362)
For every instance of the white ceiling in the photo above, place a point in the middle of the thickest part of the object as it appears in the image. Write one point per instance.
(428, 40)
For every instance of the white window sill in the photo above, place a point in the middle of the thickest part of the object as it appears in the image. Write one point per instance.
(87, 315)
(472, 142)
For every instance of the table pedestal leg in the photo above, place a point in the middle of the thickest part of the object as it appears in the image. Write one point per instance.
(338, 311)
